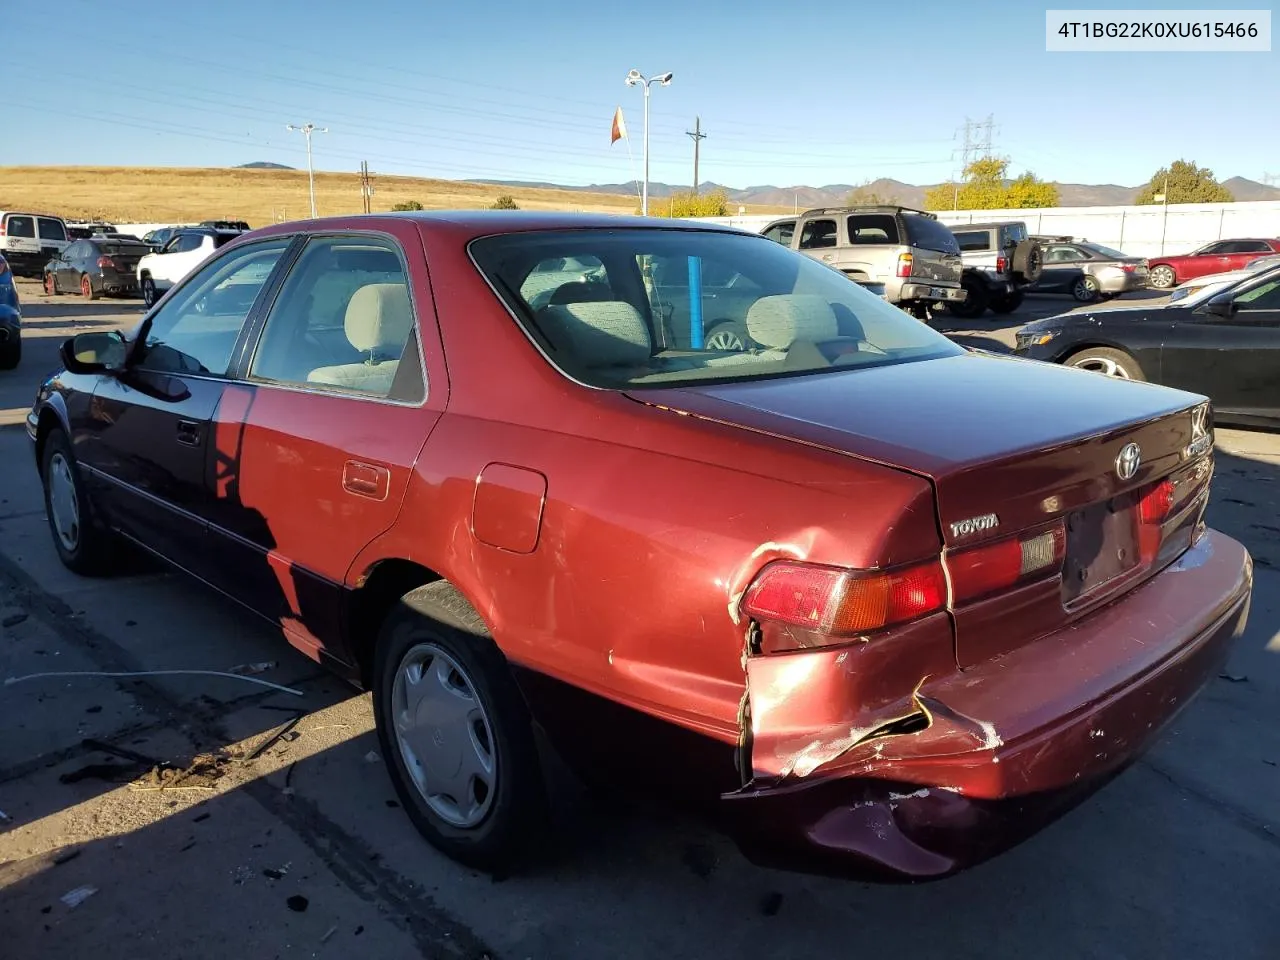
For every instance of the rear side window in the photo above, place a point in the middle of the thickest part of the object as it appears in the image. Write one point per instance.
(872, 228)
(1249, 246)
(929, 234)
(51, 229)
(971, 240)
(20, 226)
(818, 233)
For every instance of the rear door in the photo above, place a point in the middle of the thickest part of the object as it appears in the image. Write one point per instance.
(1242, 251)
(53, 235)
(1235, 360)
(315, 442)
(67, 267)
(818, 238)
(146, 445)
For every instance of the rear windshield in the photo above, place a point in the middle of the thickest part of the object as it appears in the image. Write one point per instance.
(1012, 233)
(669, 307)
(20, 226)
(928, 234)
(870, 228)
(52, 229)
(1105, 251)
(125, 249)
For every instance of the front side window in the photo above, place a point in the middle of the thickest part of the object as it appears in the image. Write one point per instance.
(344, 321)
(51, 229)
(196, 331)
(782, 232)
(795, 316)
(1222, 246)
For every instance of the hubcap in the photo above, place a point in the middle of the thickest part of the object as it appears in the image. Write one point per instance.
(1085, 290)
(1103, 365)
(1162, 277)
(725, 340)
(63, 502)
(444, 736)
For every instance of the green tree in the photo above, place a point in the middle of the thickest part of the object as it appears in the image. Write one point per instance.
(408, 205)
(689, 204)
(986, 187)
(864, 196)
(505, 202)
(1187, 183)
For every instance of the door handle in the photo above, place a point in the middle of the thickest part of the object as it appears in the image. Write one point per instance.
(189, 433)
(366, 479)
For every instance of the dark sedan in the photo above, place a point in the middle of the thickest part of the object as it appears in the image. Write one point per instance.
(1221, 343)
(1088, 271)
(96, 266)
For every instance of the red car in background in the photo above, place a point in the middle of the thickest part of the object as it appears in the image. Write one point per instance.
(1220, 256)
(834, 586)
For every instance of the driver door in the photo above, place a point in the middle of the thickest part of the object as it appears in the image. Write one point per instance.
(1234, 360)
(146, 445)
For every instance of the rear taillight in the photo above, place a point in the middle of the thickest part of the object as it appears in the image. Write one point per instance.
(106, 262)
(1128, 267)
(1002, 264)
(904, 264)
(830, 604)
(1157, 503)
(983, 570)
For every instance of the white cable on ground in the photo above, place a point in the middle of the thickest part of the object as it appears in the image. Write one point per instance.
(155, 673)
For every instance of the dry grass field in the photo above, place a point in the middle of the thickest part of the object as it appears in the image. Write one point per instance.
(180, 194)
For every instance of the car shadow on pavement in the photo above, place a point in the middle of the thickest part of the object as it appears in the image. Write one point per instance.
(35, 310)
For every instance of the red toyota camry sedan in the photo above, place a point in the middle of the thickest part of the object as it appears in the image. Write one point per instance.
(883, 604)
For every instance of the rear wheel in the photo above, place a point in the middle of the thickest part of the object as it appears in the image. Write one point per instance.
(149, 292)
(51, 284)
(1085, 289)
(1162, 277)
(86, 288)
(82, 545)
(1007, 303)
(455, 731)
(975, 302)
(1105, 360)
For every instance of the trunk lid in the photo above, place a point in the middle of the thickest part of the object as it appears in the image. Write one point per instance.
(1009, 445)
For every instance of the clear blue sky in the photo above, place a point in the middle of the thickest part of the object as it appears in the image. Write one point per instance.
(806, 94)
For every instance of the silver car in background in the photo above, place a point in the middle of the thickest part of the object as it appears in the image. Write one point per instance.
(1088, 271)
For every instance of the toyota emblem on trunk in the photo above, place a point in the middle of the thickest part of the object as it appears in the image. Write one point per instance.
(1128, 460)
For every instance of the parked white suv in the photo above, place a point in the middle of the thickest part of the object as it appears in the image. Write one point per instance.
(30, 240)
(184, 251)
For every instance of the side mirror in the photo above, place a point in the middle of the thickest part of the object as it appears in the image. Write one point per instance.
(94, 353)
(1221, 306)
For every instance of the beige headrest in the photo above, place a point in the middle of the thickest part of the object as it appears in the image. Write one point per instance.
(599, 333)
(379, 318)
(779, 321)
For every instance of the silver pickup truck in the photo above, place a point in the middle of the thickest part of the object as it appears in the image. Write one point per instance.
(905, 255)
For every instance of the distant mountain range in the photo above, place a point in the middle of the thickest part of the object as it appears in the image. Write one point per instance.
(910, 195)
(265, 165)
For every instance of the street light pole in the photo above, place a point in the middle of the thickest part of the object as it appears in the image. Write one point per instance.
(306, 130)
(633, 78)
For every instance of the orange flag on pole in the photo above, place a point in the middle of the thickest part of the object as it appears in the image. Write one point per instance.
(619, 127)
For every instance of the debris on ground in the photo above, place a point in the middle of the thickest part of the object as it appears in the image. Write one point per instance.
(278, 734)
(202, 773)
(274, 873)
(1233, 677)
(298, 903)
(372, 757)
(328, 933)
(73, 898)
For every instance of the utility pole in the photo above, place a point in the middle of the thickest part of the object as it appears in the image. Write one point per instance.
(307, 129)
(366, 187)
(698, 136)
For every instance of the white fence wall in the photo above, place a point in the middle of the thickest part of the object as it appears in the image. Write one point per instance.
(1145, 231)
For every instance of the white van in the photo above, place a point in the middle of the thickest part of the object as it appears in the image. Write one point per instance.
(30, 240)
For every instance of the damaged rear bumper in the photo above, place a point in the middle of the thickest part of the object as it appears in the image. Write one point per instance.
(1007, 746)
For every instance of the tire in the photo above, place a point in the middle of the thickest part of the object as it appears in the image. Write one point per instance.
(85, 547)
(1007, 304)
(1085, 289)
(1162, 277)
(10, 354)
(974, 304)
(1028, 261)
(727, 335)
(51, 284)
(434, 631)
(149, 296)
(1109, 362)
(86, 288)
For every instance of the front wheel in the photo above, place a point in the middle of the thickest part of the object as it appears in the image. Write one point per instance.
(1162, 277)
(1104, 360)
(1008, 303)
(455, 731)
(82, 545)
(149, 292)
(1085, 289)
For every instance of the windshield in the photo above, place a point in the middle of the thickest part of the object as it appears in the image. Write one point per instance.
(667, 307)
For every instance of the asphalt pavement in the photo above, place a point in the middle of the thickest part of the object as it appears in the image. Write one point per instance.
(206, 817)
